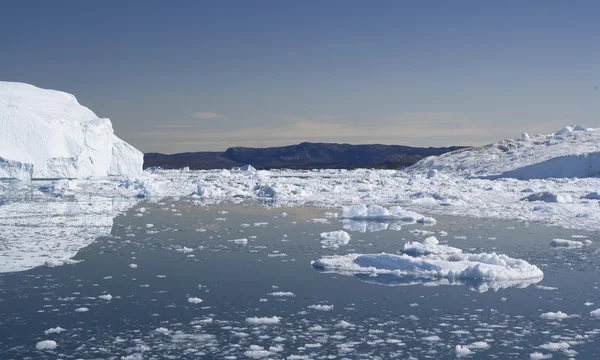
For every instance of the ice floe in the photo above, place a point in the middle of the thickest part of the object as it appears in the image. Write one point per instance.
(431, 262)
(46, 345)
(334, 239)
(569, 243)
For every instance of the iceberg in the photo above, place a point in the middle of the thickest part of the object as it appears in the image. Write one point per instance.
(47, 134)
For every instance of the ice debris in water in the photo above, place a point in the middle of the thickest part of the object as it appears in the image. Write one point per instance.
(569, 243)
(430, 261)
(46, 345)
(376, 212)
(334, 239)
(263, 320)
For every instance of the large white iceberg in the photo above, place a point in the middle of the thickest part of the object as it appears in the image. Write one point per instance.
(48, 134)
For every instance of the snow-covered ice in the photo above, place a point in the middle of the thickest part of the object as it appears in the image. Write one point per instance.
(48, 134)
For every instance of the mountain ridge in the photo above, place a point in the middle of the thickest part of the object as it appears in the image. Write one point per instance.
(305, 155)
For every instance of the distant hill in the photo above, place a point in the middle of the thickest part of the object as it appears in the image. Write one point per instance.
(302, 156)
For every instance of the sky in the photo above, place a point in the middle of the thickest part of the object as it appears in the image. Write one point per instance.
(177, 76)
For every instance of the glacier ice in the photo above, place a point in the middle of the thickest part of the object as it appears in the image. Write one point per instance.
(47, 134)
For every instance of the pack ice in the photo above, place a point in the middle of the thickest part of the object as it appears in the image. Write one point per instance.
(47, 134)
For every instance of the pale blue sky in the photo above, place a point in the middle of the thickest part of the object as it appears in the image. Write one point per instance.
(205, 75)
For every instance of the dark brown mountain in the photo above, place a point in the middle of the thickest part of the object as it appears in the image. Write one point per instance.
(302, 156)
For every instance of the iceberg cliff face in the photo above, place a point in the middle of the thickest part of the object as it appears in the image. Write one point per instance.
(47, 134)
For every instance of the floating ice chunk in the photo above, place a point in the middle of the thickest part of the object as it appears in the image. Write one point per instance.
(344, 324)
(461, 351)
(539, 356)
(559, 315)
(320, 307)
(440, 262)
(263, 320)
(133, 266)
(106, 297)
(466, 350)
(282, 293)
(184, 250)
(376, 212)
(82, 309)
(243, 241)
(595, 313)
(430, 245)
(162, 330)
(432, 338)
(194, 300)
(334, 239)
(555, 346)
(56, 330)
(46, 345)
(566, 243)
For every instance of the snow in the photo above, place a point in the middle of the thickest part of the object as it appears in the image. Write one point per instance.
(334, 239)
(47, 134)
(438, 262)
(46, 345)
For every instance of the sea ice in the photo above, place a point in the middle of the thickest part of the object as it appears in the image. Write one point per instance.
(566, 243)
(46, 345)
(263, 320)
(432, 261)
(334, 239)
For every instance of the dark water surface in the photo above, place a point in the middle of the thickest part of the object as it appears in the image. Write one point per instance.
(187, 254)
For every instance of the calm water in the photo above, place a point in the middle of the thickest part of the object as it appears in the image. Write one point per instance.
(152, 271)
